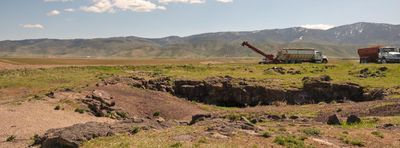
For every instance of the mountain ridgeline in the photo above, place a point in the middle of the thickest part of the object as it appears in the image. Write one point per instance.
(341, 41)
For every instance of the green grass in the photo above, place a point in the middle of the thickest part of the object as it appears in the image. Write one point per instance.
(266, 134)
(141, 139)
(390, 119)
(352, 141)
(43, 80)
(311, 131)
(290, 141)
(119, 141)
(377, 134)
(176, 145)
(365, 123)
(341, 72)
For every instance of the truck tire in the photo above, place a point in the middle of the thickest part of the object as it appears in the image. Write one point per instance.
(383, 61)
(363, 61)
(324, 61)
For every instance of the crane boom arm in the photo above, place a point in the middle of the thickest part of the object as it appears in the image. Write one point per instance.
(267, 56)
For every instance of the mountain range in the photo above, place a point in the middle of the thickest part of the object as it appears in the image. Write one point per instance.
(341, 41)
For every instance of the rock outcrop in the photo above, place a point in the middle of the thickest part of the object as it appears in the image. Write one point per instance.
(237, 92)
(73, 136)
(333, 120)
(353, 119)
(101, 104)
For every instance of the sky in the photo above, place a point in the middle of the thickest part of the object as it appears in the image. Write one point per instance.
(68, 19)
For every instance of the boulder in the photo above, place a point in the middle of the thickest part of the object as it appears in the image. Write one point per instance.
(323, 91)
(160, 119)
(294, 117)
(353, 119)
(103, 97)
(274, 117)
(101, 104)
(51, 95)
(333, 120)
(74, 136)
(199, 117)
(383, 68)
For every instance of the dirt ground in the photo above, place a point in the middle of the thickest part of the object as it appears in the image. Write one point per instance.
(25, 119)
(35, 117)
(144, 103)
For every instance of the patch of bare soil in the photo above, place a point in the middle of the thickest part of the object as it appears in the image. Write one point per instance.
(385, 110)
(2, 65)
(145, 103)
(35, 117)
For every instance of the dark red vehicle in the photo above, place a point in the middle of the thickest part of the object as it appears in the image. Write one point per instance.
(370, 54)
(378, 54)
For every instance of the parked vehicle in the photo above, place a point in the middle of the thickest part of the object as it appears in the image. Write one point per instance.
(300, 55)
(294, 55)
(379, 54)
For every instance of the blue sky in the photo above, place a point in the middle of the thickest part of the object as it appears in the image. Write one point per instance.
(66, 19)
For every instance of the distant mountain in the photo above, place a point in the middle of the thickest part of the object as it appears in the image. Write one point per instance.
(341, 41)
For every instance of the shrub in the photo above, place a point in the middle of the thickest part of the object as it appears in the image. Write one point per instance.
(176, 145)
(203, 140)
(352, 141)
(134, 130)
(377, 134)
(282, 129)
(80, 110)
(37, 139)
(156, 114)
(58, 107)
(266, 134)
(311, 131)
(233, 117)
(11, 138)
(254, 121)
(123, 115)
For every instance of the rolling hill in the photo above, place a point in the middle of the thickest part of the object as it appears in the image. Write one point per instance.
(341, 41)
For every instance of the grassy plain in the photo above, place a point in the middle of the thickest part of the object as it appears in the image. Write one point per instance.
(35, 81)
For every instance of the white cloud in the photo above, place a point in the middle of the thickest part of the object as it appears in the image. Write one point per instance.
(225, 1)
(69, 10)
(136, 5)
(182, 1)
(32, 26)
(58, 0)
(318, 26)
(53, 13)
(100, 6)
